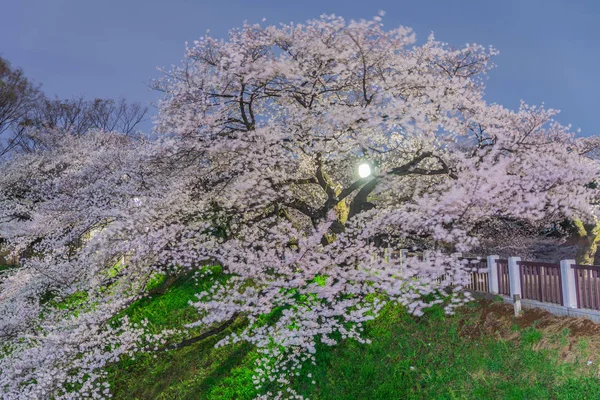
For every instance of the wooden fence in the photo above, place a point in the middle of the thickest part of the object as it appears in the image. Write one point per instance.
(538, 281)
(541, 281)
(479, 275)
(5, 260)
(586, 286)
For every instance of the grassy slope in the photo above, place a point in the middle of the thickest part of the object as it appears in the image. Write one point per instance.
(480, 353)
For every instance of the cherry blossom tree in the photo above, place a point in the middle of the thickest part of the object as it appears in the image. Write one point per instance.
(256, 170)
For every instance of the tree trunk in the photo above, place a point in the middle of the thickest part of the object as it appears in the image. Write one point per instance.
(588, 236)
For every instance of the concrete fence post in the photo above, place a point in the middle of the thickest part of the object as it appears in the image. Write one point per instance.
(514, 276)
(493, 274)
(403, 256)
(517, 304)
(427, 255)
(567, 274)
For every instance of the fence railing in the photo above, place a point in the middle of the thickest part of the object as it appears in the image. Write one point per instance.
(479, 274)
(5, 260)
(540, 281)
(563, 289)
(586, 286)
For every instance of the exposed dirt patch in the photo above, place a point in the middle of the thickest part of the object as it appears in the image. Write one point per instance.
(575, 340)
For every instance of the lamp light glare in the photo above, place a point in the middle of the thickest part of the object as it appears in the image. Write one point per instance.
(364, 170)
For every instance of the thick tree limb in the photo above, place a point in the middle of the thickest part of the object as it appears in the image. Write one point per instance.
(354, 186)
(402, 170)
(303, 208)
(360, 200)
(207, 334)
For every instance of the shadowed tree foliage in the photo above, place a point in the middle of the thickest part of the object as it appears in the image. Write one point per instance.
(18, 99)
(29, 120)
(55, 118)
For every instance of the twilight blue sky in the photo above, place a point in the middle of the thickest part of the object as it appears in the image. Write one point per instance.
(549, 50)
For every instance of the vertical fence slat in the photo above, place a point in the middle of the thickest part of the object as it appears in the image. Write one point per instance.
(577, 276)
(526, 279)
(592, 290)
(547, 282)
(589, 289)
(554, 284)
(522, 275)
(533, 288)
(559, 286)
(588, 303)
(551, 284)
(594, 284)
(593, 278)
(595, 289)
(588, 285)
(531, 283)
(538, 282)
(535, 283)
(506, 283)
(538, 275)
(596, 302)
(550, 287)
(486, 281)
(582, 288)
(543, 287)
(506, 278)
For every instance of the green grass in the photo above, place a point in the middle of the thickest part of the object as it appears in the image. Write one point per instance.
(432, 357)
(184, 373)
(531, 335)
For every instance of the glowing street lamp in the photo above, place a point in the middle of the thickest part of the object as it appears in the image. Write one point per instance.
(137, 202)
(364, 170)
